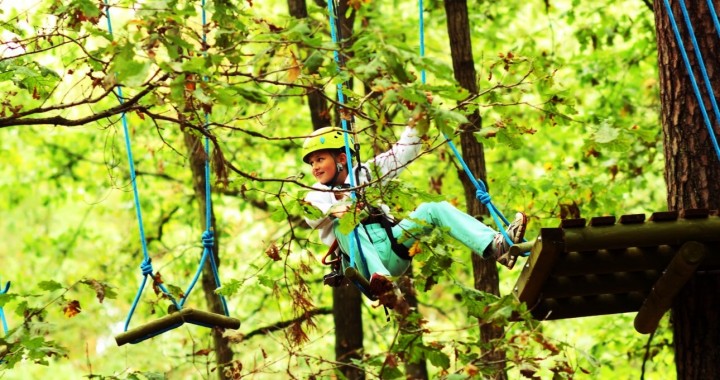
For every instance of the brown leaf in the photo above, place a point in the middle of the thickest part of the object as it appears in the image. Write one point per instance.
(294, 70)
(273, 252)
(157, 280)
(391, 361)
(472, 370)
(98, 287)
(297, 335)
(203, 352)
(569, 210)
(72, 308)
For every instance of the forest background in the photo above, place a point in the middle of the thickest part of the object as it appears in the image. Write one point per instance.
(570, 105)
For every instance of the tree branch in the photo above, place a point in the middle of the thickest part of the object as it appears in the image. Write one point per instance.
(128, 105)
(281, 324)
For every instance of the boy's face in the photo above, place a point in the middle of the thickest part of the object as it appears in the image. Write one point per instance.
(324, 166)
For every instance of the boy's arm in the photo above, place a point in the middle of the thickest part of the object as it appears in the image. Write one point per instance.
(318, 200)
(327, 207)
(389, 164)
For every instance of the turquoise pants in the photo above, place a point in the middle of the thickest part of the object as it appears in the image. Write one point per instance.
(378, 254)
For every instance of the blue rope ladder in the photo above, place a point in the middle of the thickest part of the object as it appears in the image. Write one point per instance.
(180, 315)
(481, 192)
(701, 64)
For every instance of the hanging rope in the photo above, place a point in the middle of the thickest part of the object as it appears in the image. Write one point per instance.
(332, 15)
(701, 64)
(208, 241)
(2, 313)
(146, 265)
(481, 192)
(208, 237)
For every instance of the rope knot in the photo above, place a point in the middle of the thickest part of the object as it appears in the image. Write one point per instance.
(483, 196)
(208, 239)
(146, 267)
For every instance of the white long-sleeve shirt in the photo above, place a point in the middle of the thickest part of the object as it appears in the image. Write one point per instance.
(387, 165)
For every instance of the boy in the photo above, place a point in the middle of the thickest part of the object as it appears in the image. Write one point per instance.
(324, 151)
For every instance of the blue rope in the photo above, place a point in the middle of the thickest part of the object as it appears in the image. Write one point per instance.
(2, 313)
(714, 16)
(481, 192)
(208, 237)
(346, 132)
(703, 70)
(146, 266)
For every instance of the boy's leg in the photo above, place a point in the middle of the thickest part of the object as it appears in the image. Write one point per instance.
(373, 262)
(376, 272)
(463, 227)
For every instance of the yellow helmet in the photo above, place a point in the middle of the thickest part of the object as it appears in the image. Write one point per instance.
(325, 138)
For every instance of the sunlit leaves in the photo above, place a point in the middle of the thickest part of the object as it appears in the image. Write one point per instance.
(36, 79)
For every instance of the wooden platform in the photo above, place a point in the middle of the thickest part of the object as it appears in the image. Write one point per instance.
(608, 265)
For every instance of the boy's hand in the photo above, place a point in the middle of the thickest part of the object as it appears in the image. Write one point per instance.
(340, 209)
(420, 122)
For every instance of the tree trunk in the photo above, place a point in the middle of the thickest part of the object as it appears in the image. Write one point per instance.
(347, 315)
(484, 271)
(417, 370)
(691, 171)
(316, 101)
(347, 301)
(223, 352)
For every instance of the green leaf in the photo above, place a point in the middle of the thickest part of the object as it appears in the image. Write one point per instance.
(230, 288)
(267, 282)
(606, 134)
(195, 65)
(50, 285)
(438, 358)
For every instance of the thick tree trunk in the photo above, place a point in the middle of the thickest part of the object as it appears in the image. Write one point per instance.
(347, 301)
(691, 172)
(484, 271)
(223, 352)
(347, 315)
(418, 370)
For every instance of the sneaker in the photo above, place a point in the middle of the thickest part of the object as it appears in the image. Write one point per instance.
(385, 290)
(500, 246)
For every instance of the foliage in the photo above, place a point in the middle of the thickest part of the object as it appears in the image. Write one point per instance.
(569, 102)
